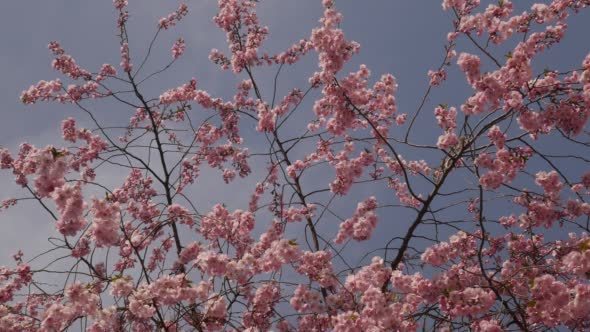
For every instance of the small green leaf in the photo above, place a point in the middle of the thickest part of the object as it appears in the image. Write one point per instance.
(56, 153)
(584, 245)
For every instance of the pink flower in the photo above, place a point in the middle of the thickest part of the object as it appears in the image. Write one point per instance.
(120, 4)
(215, 270)
(437, 77)
(278, 253)
(446, 117)
(361, 225)
(448, 140)
(550, 182)
(348, 170)
(122, 286)
(459, 244)
(183, 93)
(491, 325)
(178, 48)
(66, 64)
(497, 137)
(178, 213)
(68, 128)
(305, 300)
(215, 313)
(70, 204)
(140, 303)
(262, 306)
(469, 64)
(170, 290)
(125, 58)
(328, 40)
(242, 14)
(105, 226)
(234, 227)
(189, 253)
(470, 301)
(266, 117)
(174, 17)
(317, 266)
(212, 263)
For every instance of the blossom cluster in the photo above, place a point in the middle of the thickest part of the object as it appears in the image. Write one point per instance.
(478, 215)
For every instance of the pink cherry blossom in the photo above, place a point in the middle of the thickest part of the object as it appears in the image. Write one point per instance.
(242, 206)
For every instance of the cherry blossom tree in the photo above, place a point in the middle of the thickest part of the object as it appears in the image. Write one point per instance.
(491, 231)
